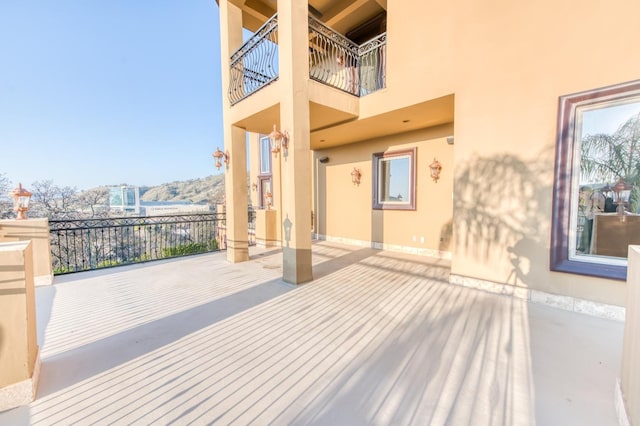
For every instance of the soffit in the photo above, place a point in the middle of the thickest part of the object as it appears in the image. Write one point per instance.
(341, 15)
(414, 117)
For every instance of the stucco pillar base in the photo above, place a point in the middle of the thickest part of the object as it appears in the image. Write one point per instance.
(21, 393)
(237, 251)
(266, 228)
(296, 265)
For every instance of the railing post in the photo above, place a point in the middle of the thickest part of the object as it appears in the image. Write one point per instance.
(630, 366)
(37, 231)
(19, 357)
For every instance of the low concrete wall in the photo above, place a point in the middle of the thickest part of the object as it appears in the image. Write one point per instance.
(630, 370)
(266, 232)
(36, 231)
(18, 341)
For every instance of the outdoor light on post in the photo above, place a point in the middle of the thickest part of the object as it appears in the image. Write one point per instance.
(221, 156)
(435, 168)
(269, 199)
(623, 192)
(21, 198)
(278, 140)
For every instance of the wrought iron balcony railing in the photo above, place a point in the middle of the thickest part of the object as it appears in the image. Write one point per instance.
(255, 64)
(86, 244)
(334, 60)
(373, 64)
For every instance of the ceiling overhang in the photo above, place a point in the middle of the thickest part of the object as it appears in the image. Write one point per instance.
(414, 117)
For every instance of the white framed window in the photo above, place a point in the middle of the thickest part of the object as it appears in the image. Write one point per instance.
(394, 180)
(265, 156)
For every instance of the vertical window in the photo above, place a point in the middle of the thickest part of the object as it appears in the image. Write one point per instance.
(264, 178)
(394, 180)
(596, 212)
(265, 156)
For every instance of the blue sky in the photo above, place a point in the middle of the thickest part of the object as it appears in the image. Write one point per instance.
(99, 92)
(608, 120)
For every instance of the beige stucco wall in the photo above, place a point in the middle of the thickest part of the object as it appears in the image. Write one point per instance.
(344, 210)
(630, 365)
(512, 62)
(18, 351)
(37, 231)
(506, 63)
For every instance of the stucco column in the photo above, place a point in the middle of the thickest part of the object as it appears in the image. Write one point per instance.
(235, 183)
(19, 357)
(36, 231)
(294, 118)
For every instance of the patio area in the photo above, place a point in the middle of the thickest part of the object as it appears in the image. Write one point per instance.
(376, 338)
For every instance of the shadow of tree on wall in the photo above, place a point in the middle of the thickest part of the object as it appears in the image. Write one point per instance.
(502, 209)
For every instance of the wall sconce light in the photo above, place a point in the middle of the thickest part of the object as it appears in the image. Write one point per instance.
(278, 140)
(623, 193)
(254, 186)
(21, 198)
(355, 176)
(268, 197)
(220, 156)
(435, 168)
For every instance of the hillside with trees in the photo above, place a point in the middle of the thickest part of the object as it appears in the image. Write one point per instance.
(209, 190)
(54, 201)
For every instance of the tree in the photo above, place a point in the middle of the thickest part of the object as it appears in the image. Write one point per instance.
(6, 204)
(608, 157)
(53, 201)
(93, 199)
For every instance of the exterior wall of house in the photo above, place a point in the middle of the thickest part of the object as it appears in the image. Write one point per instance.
(506, 64)
(512, 62)
(344, 210)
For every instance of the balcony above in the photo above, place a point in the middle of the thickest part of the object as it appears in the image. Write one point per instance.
(334, 60)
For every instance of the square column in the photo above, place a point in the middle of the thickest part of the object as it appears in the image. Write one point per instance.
(37, 231)
(293, 32)
(19, 355)
(235, 188)
(235, 182)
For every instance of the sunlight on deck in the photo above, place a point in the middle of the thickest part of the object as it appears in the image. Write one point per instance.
(376, 338)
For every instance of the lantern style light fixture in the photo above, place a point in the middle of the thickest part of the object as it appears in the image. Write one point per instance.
(623, 193)
(269, 199)
(221, 156)
(355, 176)
(21, 198)
(435, 168)
(278, 140)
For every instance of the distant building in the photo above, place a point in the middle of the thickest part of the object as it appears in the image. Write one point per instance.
(124, 199)
(155, 209)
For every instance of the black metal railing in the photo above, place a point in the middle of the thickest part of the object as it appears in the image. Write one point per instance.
(373, 64)
(255, 64)
(334, 60)
(87, 244)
